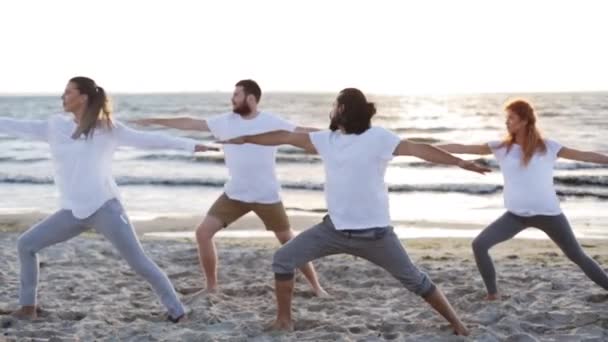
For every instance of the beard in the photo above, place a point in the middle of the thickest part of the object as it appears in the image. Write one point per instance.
(243, 109)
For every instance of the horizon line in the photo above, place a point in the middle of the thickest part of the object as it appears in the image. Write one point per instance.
(320, 92)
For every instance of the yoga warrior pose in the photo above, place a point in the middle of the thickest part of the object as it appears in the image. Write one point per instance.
(526, 161)
(82, 146)
(355, 156)
(253, 184)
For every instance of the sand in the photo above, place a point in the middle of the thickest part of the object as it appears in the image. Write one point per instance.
(88, 293)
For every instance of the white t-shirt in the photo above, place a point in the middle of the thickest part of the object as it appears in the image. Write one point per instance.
(528, 190)
(83, 167)
(356, 195)
(251, 167)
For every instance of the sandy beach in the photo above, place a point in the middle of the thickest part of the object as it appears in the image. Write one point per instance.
(88, 293)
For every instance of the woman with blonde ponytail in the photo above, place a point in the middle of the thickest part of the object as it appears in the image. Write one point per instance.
(96, 112)
(526, 160)
(82, 146)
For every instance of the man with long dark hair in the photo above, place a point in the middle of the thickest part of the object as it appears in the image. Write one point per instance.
(355, 156)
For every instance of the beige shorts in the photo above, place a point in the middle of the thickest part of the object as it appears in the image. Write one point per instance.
(228, 210)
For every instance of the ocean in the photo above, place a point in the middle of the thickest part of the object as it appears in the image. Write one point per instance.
(165, 183)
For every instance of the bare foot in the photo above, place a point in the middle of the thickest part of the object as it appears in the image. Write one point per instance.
(211, 289)
(461, 330)
(492, 297)
(201, 293)
(280, 325)
(26, 312)
(206, 291)
(321, 293)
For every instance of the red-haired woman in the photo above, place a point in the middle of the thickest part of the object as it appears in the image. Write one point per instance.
(526, 161)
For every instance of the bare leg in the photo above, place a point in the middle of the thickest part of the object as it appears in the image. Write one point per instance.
(311, 244)
(438, 301)
(284, 294)
(206, 250)
(390, 254)
(307, 269)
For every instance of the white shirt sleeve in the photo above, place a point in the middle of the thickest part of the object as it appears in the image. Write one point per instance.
(387, 142)
(217, 126)
(553, 147)
(283, 125)
(150, 140)
(494, 144)
(497, 149)
(30, 129)
(320, 140)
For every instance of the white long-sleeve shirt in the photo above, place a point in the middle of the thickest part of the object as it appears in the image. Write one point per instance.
(83, 167)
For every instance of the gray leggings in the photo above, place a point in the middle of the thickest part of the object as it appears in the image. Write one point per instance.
(556, 227)
(323, 239)
(111, 221)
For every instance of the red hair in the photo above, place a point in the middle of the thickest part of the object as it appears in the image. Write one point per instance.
(533, 140)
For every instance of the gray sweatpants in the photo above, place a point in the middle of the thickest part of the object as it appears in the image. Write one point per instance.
(111, 221)
(323, 240)
(556, 227)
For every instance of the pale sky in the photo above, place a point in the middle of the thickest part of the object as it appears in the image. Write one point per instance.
(380, 46)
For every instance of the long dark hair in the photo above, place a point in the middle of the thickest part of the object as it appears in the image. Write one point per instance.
(98, 107)
(356, 117)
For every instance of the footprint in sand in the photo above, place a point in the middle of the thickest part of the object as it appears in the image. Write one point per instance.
(357, 329)
(386, 327)
(537, 329)
(307, 324)
(585, 318)
(178, 275)
(597, 298)
(520, 338)
(191, 260)
(7, 322)
(391, 336)
(319, 308)
(189, 290)
(72, 315)
(353, 312)
(131, 317)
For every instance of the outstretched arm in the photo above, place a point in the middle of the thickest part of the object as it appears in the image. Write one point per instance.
(31, 129)
(302, 129)
(183, 123)
(435, 155)
(153, 140)
(584, 156)
(275, 138)
(468, 149)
